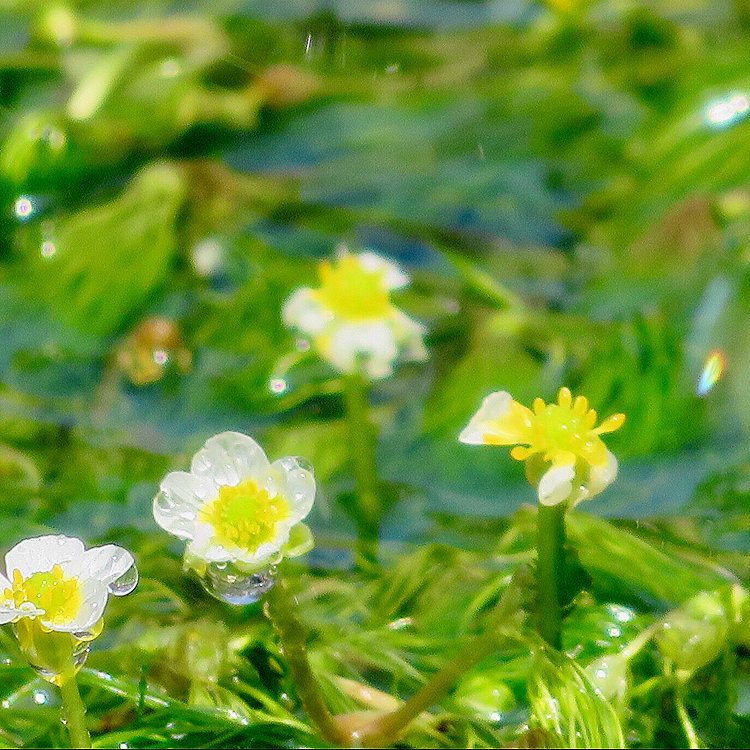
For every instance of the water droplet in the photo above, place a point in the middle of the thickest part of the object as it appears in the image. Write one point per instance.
(40, 697)
(713, 369)
(169, 68)
(230, 584)
(728, 110)
(24, 207)
(302, 345)
(125, 583)
(48, 249)
(160, 357)
(80, 654)
(401, 623)
(621, 614)
(207, 256)
(277, 385)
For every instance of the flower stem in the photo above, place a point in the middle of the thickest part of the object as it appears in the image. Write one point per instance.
(74, 709)
(293, 638)
(362, 442)
(550, 569)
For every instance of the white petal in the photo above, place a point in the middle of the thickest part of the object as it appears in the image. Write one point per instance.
(7, 615)
(94, 600)
(373, 342)
(40, 554)
(303, 311)
(176, 506)
(393, 276)
(296, 485)
(105, 564)
(8, 610)
(202, 549)
(601, 477)
(230, 457)
(493, 407)
(556, 484)
(409, 336)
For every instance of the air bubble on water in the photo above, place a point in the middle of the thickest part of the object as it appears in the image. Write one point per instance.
(48, 249)
(40, 697)
(302, 345)
(24, 207)
(169, 68)
(401, 623)
(229, 583)
(125, 583)
(728, 110)
(277, 385)
(161, 357)
(207, 256)
(620, 613)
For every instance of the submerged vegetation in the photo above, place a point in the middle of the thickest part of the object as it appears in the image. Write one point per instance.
(209, 214)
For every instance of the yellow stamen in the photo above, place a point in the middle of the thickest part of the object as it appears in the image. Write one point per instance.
(561, 432)
(352, 291)
(244, 515)
(58, 596)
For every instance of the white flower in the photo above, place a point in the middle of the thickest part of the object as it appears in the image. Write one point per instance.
(65, 587)
(565, 456)
(350, 317)
(233, 505)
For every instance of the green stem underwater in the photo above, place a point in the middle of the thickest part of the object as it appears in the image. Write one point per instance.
(550, 571)
(363, 444)
(293, 639)
(74, 709)
(385, 730)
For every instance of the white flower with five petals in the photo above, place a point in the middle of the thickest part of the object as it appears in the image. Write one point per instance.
(350, 318)
(234, 506)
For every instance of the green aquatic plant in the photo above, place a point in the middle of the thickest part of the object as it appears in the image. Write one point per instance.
(566, 461)
(241, 516)
(353, 324)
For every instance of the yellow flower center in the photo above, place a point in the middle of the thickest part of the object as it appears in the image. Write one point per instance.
(561, 432)
(59, 597)
(351, 291)
(244, 515)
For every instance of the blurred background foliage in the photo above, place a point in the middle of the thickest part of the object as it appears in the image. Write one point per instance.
(567, 184)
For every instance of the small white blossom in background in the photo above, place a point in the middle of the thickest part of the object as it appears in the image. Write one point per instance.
(565, 456)
(55, 581)
(350, 318)
(235, 507)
